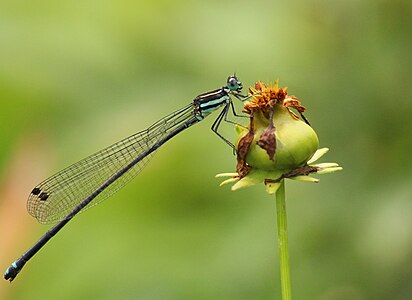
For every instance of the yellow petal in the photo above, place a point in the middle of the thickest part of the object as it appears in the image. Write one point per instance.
(329, 170)
(230, 180)
(325, 165)
(245, 182)
(318, 154)
(226, 175)
(305, 178)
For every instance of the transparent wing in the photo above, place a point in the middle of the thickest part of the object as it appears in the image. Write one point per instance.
(54, 198)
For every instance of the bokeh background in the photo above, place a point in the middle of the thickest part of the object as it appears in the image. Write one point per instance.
(76, 76)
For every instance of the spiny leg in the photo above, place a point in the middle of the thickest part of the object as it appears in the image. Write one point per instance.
(304, 119)
(230, 103)
(216, 124)
(223, 116)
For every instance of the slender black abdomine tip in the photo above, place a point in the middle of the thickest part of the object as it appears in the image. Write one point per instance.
(10, 273)
(14, 269)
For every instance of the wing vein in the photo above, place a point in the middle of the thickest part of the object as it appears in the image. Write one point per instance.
(69, 187)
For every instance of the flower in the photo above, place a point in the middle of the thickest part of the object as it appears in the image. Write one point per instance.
(277, 144)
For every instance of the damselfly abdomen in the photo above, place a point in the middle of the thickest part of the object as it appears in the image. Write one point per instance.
(93, 179)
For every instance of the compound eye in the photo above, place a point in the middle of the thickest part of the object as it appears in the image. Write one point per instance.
(232, 82)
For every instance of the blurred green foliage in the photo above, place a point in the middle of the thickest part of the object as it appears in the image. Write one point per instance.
(76, 76)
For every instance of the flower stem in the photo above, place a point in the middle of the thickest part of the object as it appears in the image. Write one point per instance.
(283, 242)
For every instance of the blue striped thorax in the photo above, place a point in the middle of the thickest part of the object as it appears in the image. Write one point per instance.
(94, 178)
(208, 102)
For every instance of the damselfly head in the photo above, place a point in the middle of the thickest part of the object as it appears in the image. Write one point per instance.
(233, 84)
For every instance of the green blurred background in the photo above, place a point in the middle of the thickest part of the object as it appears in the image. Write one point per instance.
(76, 76)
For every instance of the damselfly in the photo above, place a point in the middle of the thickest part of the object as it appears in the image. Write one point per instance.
(93, 179)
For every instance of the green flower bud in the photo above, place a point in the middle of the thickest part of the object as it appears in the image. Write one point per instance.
(296, 141)
(277, 144)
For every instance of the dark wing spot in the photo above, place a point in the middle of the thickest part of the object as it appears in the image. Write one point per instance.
(43, 196)
(36, 191)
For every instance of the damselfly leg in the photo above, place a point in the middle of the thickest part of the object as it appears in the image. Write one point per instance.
(305, 119)
(93, 179)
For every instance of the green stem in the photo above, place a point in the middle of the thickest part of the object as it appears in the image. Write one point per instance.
(283, 242)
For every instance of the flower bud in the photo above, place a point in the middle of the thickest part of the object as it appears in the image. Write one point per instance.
(296, 141)
(281, 141)
(277, 144)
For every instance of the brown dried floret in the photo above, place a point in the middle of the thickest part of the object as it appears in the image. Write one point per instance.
(265, 97)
